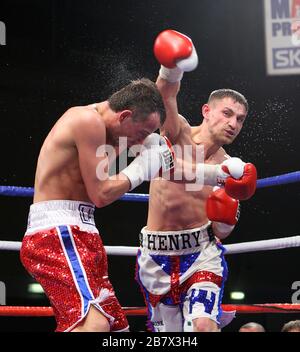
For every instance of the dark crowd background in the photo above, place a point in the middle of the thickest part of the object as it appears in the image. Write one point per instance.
(62, 53)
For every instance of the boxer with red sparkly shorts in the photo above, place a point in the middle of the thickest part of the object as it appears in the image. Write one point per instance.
(62, 248)
(63, 251)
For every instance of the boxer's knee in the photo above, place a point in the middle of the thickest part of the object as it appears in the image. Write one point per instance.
(93, 322)
(204, 325)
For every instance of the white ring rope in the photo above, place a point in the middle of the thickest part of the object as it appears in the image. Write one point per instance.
(264, 245)
(245, 247)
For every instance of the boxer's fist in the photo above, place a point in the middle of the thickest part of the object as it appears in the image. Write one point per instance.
(167, 155)
(166, 151)
(239, 178)
(156, 157)
(172, 49)
(222, 209)
(176, 54)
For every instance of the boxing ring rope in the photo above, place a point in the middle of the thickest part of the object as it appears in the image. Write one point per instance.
(280, 243)
(244, 247)
(291, 177)
(14, 311)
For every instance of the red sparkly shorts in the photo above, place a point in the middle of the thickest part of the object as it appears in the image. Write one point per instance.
(68, 259)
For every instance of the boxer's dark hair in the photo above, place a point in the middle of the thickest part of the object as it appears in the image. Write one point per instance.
(228, 93)
(141, 97)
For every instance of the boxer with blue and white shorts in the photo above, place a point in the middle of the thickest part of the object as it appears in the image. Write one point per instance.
(182, 276)
(181, 266)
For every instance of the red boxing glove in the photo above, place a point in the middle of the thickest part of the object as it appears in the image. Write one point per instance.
(222, 209)
(244, 187)
(173, 49)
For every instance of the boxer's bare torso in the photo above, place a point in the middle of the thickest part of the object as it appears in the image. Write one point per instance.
(58, 174)
(172, 206)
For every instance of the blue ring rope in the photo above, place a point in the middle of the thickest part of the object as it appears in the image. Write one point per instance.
(292, 177)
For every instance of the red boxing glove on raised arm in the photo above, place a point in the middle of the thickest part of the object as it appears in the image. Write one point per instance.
(241, 183)
(172, 47)
(223, 210)
(176, 53)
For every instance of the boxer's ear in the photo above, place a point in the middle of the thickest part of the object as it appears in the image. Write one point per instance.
(205, 111)
(124, 115)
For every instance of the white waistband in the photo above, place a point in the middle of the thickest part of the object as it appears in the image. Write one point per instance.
(176, 242)
(54, 213)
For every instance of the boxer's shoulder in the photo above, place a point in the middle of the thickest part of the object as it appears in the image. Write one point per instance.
(184, 130)
(219, 156)
(88, 111)
(84, 118)
(223, 154)
(79, 124)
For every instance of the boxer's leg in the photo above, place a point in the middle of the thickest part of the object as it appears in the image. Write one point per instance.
(93, 322)
(201, 308)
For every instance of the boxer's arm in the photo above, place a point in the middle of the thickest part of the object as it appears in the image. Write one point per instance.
(176, 54)
(173, 123)
(89, 134)
(238, 178)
